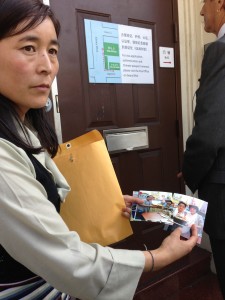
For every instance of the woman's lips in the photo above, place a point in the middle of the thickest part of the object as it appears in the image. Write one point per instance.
(42, 87)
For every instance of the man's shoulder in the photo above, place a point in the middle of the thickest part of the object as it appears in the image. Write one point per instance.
(221, 40)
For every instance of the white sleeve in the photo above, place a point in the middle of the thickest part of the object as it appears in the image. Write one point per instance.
(33, 233)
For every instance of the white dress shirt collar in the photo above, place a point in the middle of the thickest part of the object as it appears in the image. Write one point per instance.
(221, 32)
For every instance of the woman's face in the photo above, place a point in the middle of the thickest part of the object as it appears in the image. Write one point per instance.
(28, 65)
(192, 210)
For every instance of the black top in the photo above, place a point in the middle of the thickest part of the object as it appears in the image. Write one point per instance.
(11, 270)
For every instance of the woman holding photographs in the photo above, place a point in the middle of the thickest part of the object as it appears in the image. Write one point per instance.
(39, 255)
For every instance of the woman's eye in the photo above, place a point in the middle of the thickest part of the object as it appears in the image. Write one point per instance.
(29, 48)
(53, 51)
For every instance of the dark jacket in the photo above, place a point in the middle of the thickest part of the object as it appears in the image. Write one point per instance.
(204, 158)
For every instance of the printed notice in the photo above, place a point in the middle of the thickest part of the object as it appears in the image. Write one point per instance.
(118, 53)
(166, 56)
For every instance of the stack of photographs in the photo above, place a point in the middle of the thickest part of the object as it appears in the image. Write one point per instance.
(172, 209)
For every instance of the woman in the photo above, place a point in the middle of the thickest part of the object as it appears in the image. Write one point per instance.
(39, 255)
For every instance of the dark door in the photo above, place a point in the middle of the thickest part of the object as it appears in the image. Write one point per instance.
(84, 106)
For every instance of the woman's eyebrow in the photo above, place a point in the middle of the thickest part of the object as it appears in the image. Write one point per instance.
(33, 38)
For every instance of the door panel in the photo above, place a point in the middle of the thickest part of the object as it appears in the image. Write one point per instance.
(84, 106)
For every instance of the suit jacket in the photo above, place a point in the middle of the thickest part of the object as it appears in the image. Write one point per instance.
(204, 158)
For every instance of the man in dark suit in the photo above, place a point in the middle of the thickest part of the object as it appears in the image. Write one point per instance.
(204, 158)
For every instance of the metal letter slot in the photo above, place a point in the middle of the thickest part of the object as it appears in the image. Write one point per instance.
(126, 139)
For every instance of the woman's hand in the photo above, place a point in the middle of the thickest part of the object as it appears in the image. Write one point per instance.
(171, 249)
(129, 200)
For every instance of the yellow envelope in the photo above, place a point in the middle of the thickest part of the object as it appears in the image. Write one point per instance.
(93, 207)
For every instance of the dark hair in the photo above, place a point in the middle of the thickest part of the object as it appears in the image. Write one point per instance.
(14, 12)
(169, 201)
(181, 202)
(32, 13)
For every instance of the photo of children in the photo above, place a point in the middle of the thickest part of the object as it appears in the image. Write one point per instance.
(174, 210)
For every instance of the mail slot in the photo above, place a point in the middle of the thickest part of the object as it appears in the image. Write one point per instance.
(126, 139)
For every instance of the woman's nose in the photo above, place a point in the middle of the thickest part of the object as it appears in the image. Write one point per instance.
(44, 63)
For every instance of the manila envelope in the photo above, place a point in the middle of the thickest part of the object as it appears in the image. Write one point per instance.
(93, 207)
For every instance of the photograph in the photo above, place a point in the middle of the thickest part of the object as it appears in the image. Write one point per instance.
(174, 210)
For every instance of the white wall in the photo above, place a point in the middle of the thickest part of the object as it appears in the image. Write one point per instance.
(192, 40)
